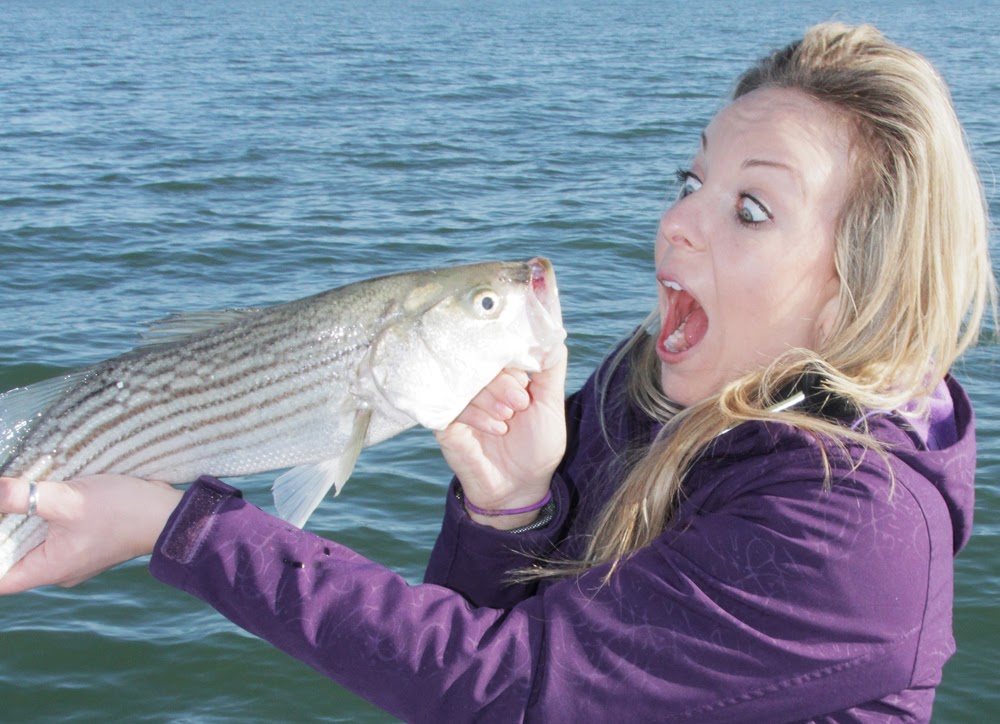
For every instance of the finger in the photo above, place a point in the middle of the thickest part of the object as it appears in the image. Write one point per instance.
(53, 499)
(24, 574)
(509, 389)
(503, 396)
(520, 376)
(480, 419)
(555, 356)
(14, 495)
(550, 383)
(37, 569)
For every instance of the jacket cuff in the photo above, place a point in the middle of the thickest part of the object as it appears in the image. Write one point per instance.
(188, 526)
(477, 560)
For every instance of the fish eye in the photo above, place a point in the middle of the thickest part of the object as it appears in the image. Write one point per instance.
(486, 302)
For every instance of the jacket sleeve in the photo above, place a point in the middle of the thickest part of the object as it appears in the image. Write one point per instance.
(423, 653)
(775, 605)
(477, 560)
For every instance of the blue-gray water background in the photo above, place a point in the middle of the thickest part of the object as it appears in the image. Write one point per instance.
(170, 156)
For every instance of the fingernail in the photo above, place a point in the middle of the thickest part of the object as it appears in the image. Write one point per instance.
(498, 427)
(520, 401)
(520, 376)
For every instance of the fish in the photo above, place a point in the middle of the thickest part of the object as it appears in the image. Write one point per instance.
(304, 385)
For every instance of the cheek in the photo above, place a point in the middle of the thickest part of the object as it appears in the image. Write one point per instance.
(782, 309)
(812, 277)
(759, 311)
(745, 290)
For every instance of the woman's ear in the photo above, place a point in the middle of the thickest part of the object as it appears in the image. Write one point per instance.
(827, 316)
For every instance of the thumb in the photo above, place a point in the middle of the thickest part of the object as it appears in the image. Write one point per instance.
(549, 385)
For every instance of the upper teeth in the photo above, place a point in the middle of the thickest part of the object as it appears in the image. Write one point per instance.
(672, 285)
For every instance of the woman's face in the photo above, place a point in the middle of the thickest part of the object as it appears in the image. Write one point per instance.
(745, 256)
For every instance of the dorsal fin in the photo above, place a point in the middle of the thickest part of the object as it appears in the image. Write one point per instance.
(21, 406)
(180, 326)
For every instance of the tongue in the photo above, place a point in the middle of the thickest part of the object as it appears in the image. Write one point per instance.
(695, 327)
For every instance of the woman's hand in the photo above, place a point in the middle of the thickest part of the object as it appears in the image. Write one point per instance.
(506, 444)
(94, 523)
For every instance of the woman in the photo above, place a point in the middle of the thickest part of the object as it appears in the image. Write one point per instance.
(748, 514)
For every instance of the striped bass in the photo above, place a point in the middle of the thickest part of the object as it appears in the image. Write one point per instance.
(303, 385)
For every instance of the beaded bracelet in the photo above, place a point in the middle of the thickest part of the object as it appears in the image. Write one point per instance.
(509, 511)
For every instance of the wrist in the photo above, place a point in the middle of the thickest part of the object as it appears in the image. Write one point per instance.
(509, 516)
(506, 512)
(157, 511)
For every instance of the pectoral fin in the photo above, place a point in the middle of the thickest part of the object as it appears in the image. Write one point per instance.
(300, 490)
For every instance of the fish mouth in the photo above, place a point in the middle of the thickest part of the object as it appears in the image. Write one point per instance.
(685, 322)
(542, 279)
(547, 316)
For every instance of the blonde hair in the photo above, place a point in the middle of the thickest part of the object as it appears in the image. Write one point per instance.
(911, 254)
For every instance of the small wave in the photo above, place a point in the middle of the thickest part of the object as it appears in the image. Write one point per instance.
(21, 202)
(25, 373)
(223, 182)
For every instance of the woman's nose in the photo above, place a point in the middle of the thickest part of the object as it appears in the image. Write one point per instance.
(679, 227)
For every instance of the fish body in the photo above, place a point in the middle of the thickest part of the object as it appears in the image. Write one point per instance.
(303, 385)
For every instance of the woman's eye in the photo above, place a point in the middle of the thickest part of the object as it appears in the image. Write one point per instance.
(687, 182)
(751, 211)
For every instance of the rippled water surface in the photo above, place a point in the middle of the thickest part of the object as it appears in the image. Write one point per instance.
(161, 157)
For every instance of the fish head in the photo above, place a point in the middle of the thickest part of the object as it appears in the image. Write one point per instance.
(458, 329)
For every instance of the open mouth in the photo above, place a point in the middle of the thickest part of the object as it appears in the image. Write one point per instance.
(543, 285)
(541, 270)
(547, 317)
(684, 323)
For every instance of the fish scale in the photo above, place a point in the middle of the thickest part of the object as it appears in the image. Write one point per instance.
(303, 385)
(206, 410)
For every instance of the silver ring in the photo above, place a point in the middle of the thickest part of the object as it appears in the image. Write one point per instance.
(32, 498)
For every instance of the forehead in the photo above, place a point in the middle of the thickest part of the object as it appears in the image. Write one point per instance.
(777, 126)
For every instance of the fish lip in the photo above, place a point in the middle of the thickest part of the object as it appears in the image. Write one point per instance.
(542, 274)
(548, 310)
(544, 287)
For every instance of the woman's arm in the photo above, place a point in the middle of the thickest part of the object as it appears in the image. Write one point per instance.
(94, 523)
(772, 607)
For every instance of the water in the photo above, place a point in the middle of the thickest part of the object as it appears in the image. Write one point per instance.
(180, 155)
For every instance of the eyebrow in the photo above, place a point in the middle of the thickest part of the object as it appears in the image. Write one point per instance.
(756, 162)
(791, 170)
(751, 162)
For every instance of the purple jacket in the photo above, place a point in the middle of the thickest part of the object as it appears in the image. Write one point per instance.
(770, 598)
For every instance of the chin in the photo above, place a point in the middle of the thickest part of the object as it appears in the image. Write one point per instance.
(675, 389)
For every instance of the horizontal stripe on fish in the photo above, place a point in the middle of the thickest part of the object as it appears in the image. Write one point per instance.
(197, 406)
(149, 446)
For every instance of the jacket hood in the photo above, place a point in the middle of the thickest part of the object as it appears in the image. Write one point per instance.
(943, 450)
(939, 447)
